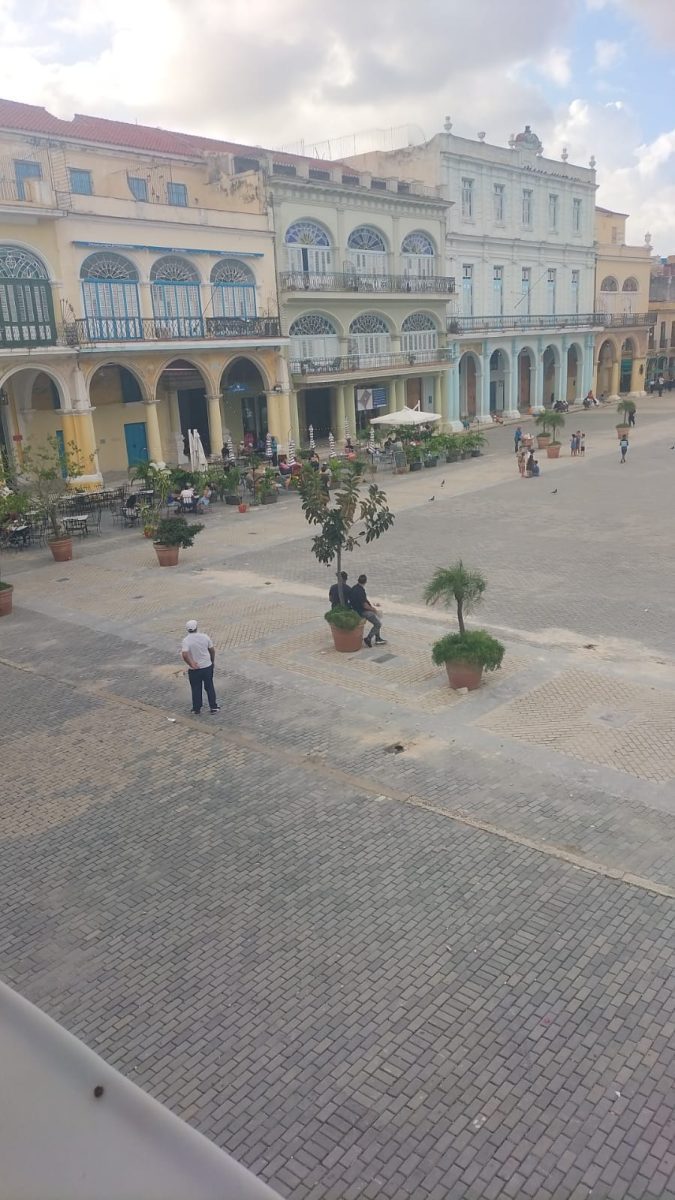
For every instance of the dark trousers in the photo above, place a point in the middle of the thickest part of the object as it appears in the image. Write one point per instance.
(198, 677)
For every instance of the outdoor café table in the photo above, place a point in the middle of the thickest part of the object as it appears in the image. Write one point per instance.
(77, 523)
(18, 535)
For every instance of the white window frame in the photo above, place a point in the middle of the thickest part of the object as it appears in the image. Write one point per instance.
(467, 198)
(526, 289)
(576, 215)
(499, 202)
(527, 209)
(498, 290)
(553, 211)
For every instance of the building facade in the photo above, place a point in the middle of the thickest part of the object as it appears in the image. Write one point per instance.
(137, 293)
(661, 345)
(622, 275)
(521, 246)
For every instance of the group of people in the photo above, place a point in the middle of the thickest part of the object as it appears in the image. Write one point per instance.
(578, 444)
(356, 598)
(528, 466)
(188, 500)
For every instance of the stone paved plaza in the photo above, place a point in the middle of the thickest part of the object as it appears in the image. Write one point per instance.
(441, 973)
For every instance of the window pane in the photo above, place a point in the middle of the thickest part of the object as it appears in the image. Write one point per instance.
(80, 181)
(138, 187)
(176, 193)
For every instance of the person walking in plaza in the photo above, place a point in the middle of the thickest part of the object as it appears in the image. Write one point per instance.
(659, 384)
(198, 651)
(582, 444)
(623, 447)
(517, 438)
(631, 418)
(359, 601)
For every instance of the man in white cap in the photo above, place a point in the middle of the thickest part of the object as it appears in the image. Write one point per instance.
(199, 653)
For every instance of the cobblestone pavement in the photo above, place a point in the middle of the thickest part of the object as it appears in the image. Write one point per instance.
(445, 972)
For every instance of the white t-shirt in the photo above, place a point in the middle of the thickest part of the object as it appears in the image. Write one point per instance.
(197, 645)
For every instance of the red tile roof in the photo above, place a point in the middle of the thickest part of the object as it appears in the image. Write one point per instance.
(30, 118)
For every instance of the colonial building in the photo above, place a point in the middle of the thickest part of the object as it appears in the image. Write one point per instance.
(137, 292)
(661, 346)
(363, 291)
(521, 245)
(622, 275)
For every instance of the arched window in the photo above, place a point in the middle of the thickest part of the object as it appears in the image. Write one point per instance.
(110, 296)
(630, 285)
(609, 284)
(26, 311)
(418, 253)
(314, 337)
(419, 333)
(308, 248)
(369, 337)
(176, 302)
(367, 251)
(232, 289)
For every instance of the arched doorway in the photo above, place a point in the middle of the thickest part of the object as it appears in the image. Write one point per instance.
(526, 362)
(182, 380)
(119, 418)
(573, 374)
(626, 371)
(30, 413)
(499, 382)
(551, 374)
(606, 357)
(245, 402)
(469, 383)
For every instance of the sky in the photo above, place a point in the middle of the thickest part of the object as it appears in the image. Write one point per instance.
(595, 76)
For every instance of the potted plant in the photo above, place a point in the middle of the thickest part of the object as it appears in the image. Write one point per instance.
(174, 534)
(11, 507)
(47, 471)
(413, 456)
(627, 408)
(433, 447)
(543, 419)
(231, 485)
(473, 442)
(465, 654)
(345, 519)
(555, 421)
(267, 488)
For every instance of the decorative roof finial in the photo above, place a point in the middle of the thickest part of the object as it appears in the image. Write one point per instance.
(648, 239)
(564, 154)
(447, 125)
(528, 140)
(512, 141)
(481, 136)
(591, 162)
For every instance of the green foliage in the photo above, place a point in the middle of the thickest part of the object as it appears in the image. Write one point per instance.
(267, 484)
(473, 439)
(456, 586)
(413, 454)
(43, 471)
(543, 419)
(339, 515)
(626, 407)
(12, 507)
(554, 420)
(175, 531)
(477, 648)
(342, 618)
(181, 479)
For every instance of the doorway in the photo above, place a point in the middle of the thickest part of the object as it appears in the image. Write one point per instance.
(413, 393)
(193, 415)
(135, 436)
(317, 410)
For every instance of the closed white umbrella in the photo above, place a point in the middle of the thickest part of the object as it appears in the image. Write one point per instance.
(331, 445)
(406, 416)
(371, 440)
(347, 432)
(311, 437)
(191, 450)
(268, 446)
(201, 463)
(291, 452)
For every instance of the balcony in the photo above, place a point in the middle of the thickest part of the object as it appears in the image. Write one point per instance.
(171, 329)
(305, 281)
(629, 320)
(349, 363)
(473, 325)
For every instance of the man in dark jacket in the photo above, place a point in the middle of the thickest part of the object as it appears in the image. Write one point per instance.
(334, 592)
(359, 601)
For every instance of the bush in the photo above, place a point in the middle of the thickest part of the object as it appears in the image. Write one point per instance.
(175, 531)
(477, 647)
(181, 479)
(342, 618)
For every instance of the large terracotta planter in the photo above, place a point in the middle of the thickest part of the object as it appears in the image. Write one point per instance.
(62, 549)
(464, 675)
(6, 599)
(622, 431)
(543, 440)
(553, 451)
(347, 641)
(167, 555)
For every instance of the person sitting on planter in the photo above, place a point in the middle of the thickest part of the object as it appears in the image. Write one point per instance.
(359, 601)
(334, 593)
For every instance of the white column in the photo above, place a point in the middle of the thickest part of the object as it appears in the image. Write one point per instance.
(483, 398)
(537, 381)
(438, 404)
(399, 393)
(215, 424)
(450, 398)
(155, 453)
(511, 384)
(341, 415)
(562, 380)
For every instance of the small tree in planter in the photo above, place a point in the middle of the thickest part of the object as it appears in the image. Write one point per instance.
(338, 518)
(47, 471)
(626, 408)
(473, 442)
(267, 487)
(555, 420)
(174, 534)
(465, 654)
(543, 420)
(159, 481)
(12, 508)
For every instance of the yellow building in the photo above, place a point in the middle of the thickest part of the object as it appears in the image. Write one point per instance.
(622, 296)
(138, 293)
(661, 350)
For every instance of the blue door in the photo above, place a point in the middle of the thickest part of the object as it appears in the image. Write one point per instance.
(62, 453)
(137, 443)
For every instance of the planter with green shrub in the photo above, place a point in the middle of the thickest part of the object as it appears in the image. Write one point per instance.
(465, 654)
(174, 534)
(626, 408)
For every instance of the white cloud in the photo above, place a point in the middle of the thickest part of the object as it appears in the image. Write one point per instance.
(608, 54)
(556, 66)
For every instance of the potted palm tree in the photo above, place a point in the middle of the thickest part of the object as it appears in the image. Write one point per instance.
(466, 654)
(48, 471)
(174, 534)
(543, 420)
(555, 421)
(413, 456)
(473, 442)
(626, 408)
(338, 518)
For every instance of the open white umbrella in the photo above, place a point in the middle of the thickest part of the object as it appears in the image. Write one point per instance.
(405, 416)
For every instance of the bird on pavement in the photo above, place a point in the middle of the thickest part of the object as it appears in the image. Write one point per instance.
(672, 447)
(442, 483)
(554, 492)
(431, 498)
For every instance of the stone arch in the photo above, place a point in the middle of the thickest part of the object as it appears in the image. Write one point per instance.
(186, 385)
(174, 268)
(210, 384)
(22, 395)
(609, 284)
(630, 284)
(309, 246)
(628, 352)
(89, 371)
(110, 296)
(419, 333)
(369, 238)
(550, 370)
(243, 386)
(326, 323)
(575, 366)
(254, 362)
(526, 363)
(500, 380)
(470, 375)
(371, 321)
(123, 384)
(607, 357)
(370, 336)
(315, 336)
(419, 253)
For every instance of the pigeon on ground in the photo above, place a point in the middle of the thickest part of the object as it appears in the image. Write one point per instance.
(431, 498)
(554, 492)
(442, 483)
(672, 447)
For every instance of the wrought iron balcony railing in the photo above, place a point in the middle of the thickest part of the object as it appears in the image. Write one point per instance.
(345, 363)
(468, 325)
(170, 329)
(347, 281)
(625, 320)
